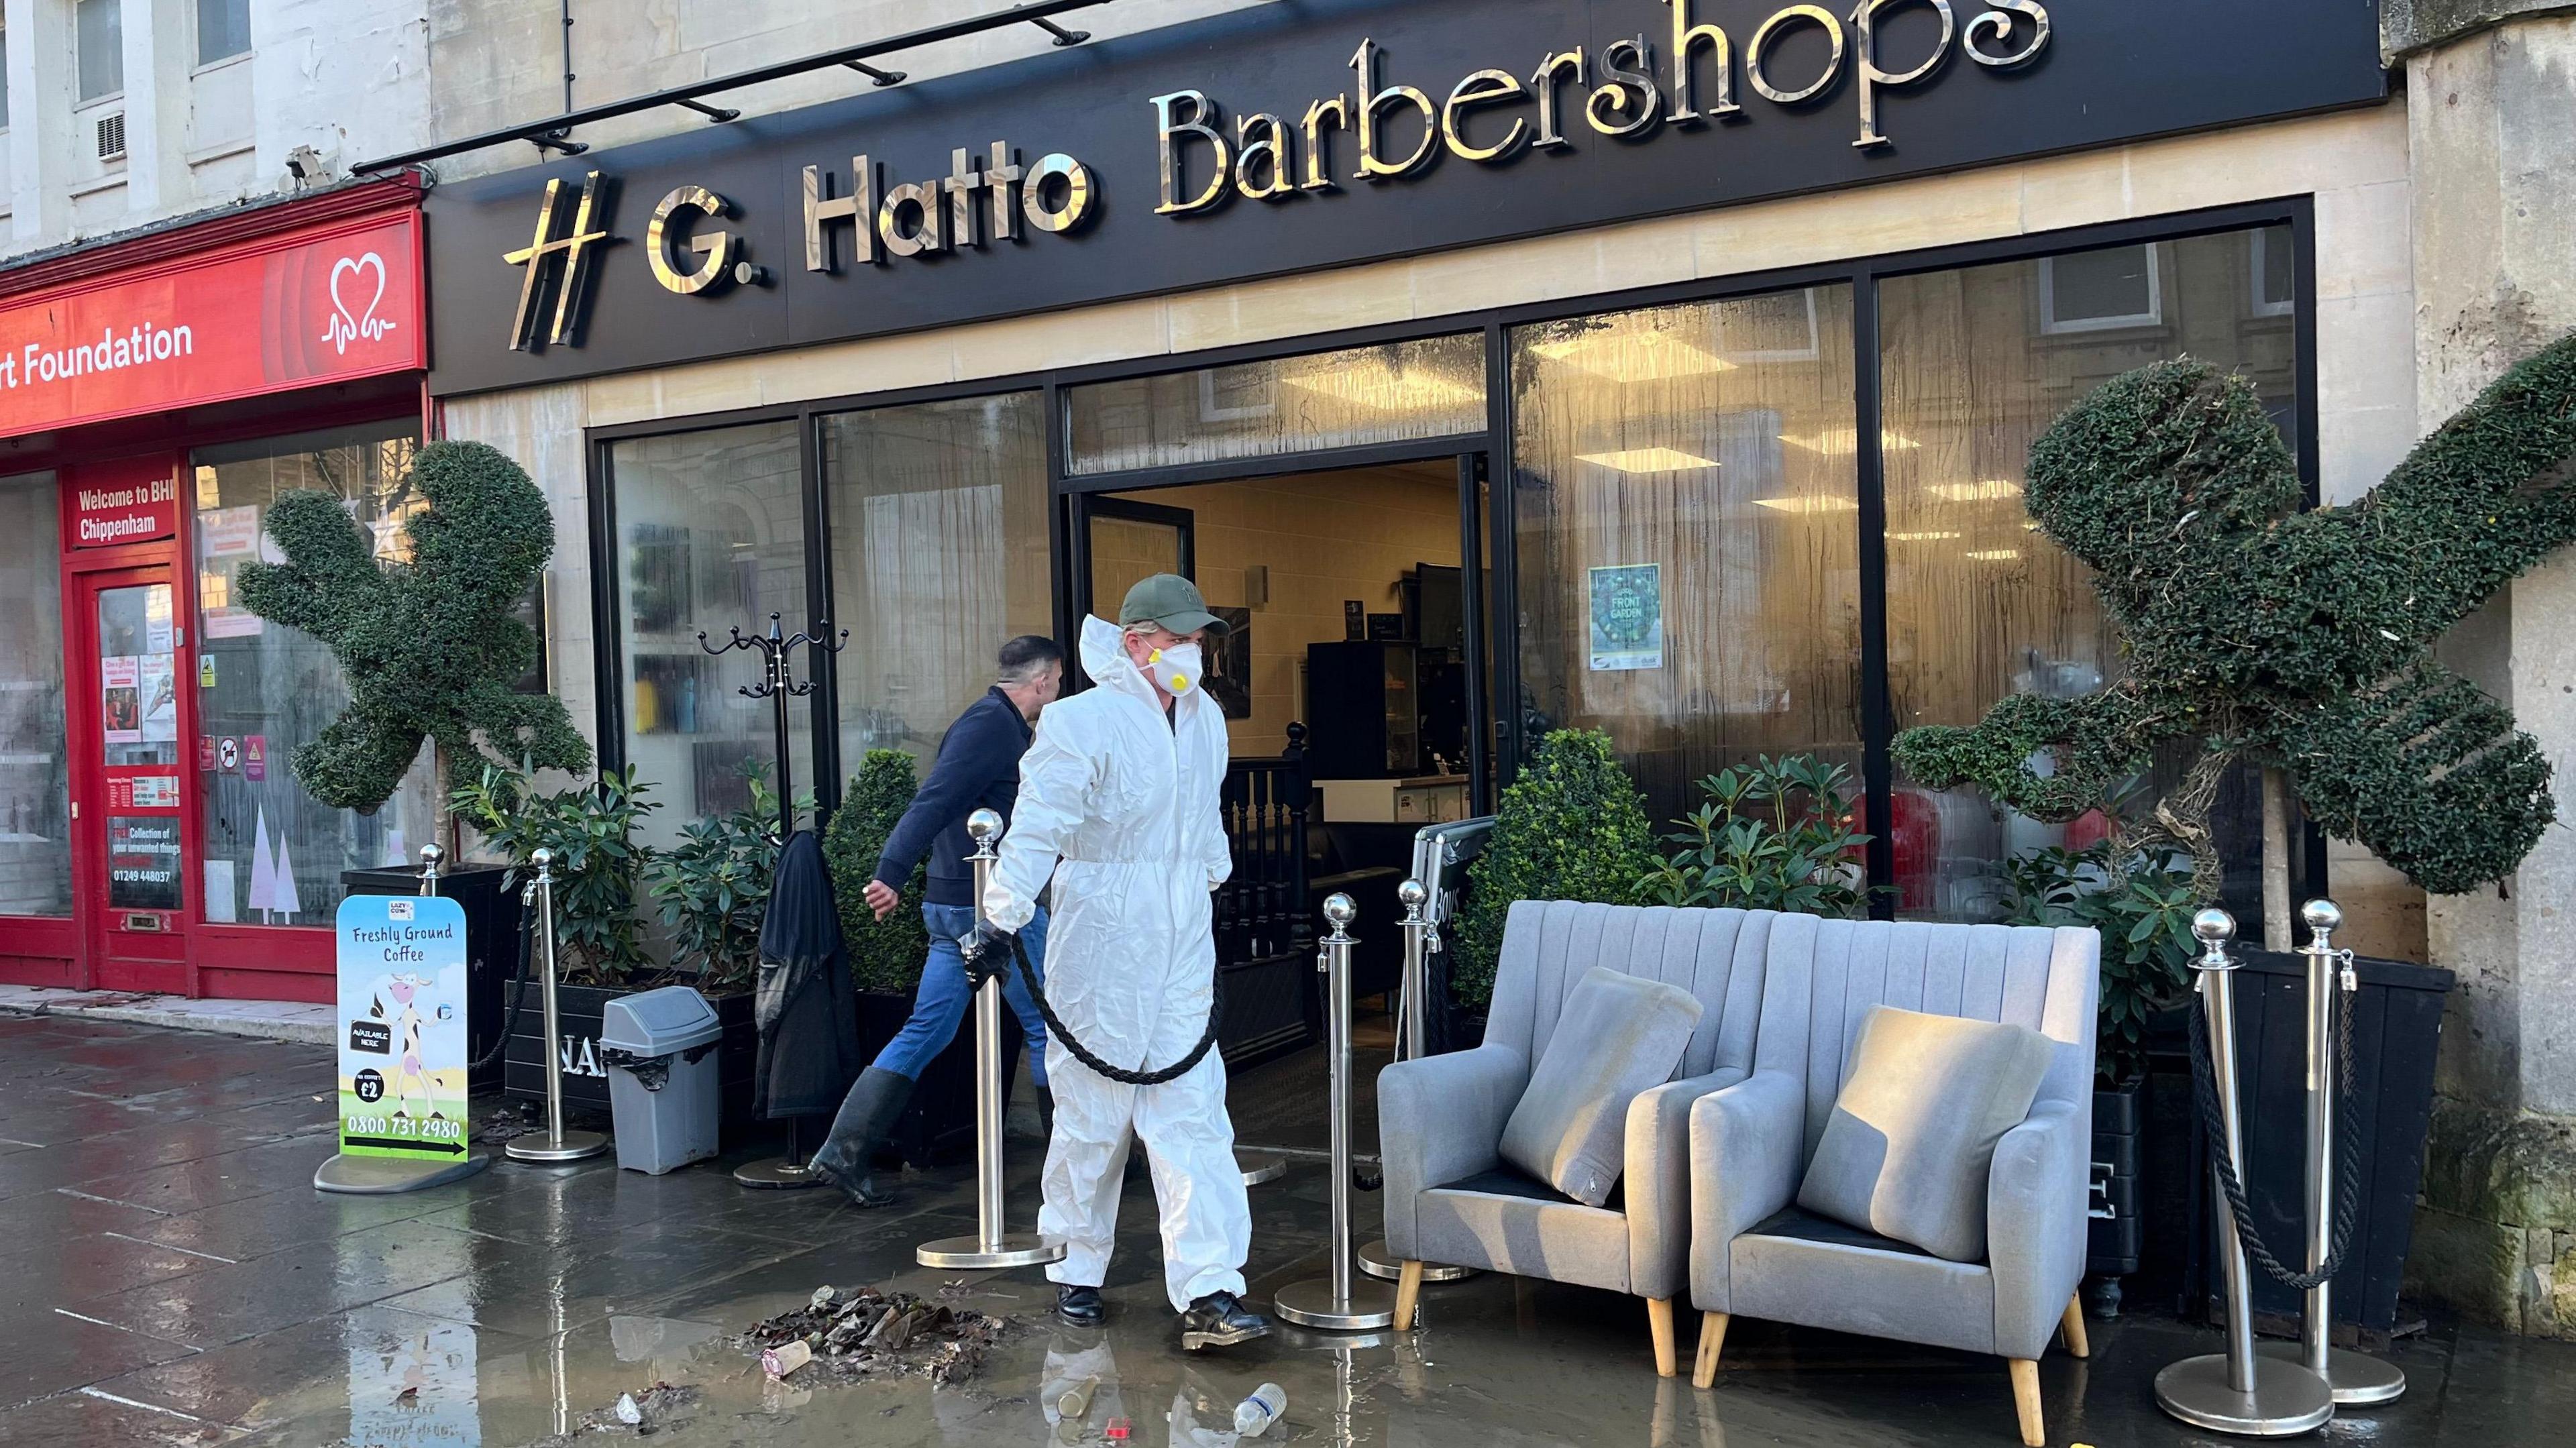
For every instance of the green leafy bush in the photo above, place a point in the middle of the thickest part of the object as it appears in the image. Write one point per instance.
(598, 866)
(2142, 905)
(1776, 835)
(885, 956)
(1571, 827)
(714, 886)
(429, 648)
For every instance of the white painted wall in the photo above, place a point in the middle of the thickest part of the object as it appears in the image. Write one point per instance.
(348, 78)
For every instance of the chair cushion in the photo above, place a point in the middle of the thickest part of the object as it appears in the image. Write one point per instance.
(1805, 1226)
(1913, 1132)
(1508, 1223)
(1617, 1036)
(1511, 1181)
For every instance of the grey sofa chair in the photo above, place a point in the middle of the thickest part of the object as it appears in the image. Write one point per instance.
(1753, 1253)
(1449, 1196)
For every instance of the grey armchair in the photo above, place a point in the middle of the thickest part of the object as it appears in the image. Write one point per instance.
(1754, 1253)
(1449, 1196)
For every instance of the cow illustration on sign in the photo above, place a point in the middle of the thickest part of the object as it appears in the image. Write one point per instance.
(411, 1075)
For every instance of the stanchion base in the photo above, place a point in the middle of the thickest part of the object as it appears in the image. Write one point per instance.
(1015, 1249)
(2287, 1398)
(2357, 1378)
(1259, 1167)
(1310, 1304)
(575, 1146)
(777, 1174)
(1377, 1261)
(375, 1176)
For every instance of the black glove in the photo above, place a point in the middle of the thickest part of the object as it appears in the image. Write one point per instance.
(987, 952)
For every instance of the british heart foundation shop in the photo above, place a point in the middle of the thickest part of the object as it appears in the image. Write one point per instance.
(157, 393)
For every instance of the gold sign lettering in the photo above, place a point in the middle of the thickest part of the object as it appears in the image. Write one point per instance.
(1872, 77)
(1073, 204)
(1319, 146)
(1373, 166)
(1756, 53)
(1637, 79)
(1997, 25)
(1267, 155)
(1482, 88)
(1567, 63)
(715, 249)
(1687, 38)
(1170, 126)
(822, 208)
(589, 232)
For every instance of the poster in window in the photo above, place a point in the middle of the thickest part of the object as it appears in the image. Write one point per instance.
(1627, 617)
(119, 706)
(143, 862)
(156, 686)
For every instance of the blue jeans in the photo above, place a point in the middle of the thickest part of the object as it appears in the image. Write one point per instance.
(942, 1000)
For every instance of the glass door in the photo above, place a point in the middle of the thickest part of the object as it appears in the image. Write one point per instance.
(1131, 542)
(134, 653)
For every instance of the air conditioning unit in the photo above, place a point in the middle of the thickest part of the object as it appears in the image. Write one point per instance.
(111, 137)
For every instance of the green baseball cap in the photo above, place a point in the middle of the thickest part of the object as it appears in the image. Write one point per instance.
(1172, 601)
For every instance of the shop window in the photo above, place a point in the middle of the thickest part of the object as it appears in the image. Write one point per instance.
(939, 555)
(35, 778)
(273, 854)
(1980, 604)
(223, 30)
(1687, 503)
(1429, 387)
(2100, 291)
(98, 41)
(710, 537)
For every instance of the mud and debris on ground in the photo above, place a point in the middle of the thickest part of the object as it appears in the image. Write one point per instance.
(862, 1331)
(637, 1414)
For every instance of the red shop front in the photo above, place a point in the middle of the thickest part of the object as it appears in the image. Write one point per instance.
(157, 393)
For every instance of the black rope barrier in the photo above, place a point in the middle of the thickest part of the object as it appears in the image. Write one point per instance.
(2347, 1150)
(1082, 1053)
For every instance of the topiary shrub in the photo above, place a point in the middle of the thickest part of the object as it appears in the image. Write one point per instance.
(885, 956)
(2297, 640)
(1571, 827)
(428, 648)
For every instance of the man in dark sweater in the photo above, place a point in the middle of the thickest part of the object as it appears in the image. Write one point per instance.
(978, 767)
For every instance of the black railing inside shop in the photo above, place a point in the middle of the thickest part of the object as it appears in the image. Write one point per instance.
(1261, 909)
(555, 133)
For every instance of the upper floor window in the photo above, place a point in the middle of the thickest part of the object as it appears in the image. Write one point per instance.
(223, 29)
(99, 37)
(2097, 291)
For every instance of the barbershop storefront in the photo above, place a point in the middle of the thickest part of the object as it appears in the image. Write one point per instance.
(1664, 369)
(156, 392)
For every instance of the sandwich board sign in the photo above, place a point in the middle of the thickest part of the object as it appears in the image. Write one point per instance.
(401, 1039)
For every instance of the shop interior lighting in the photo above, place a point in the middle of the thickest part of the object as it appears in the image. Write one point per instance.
(1810, 505)
(1381, 389)
(1654, 460)
(1935, 535)
(1634, 356)
(1989, 490)
(1994, 555)
(1844, 441)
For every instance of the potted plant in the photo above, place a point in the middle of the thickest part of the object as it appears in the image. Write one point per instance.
(598, 870)
(2302, 642)
(713, 889)
(1774, 835)
(886, 957)
(1571, 827)
(429, 646)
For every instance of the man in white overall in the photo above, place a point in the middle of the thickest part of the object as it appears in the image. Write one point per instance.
(1121, 785)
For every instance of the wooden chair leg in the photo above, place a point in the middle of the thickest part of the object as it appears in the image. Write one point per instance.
(1408, 1295)
(2025, 1381)
(1712, 1341)
(2073, 1327)
(1659, 1316)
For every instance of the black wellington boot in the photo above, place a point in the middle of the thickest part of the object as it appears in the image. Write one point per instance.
(866, 1119)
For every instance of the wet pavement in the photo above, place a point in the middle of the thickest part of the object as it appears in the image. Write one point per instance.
(169, 1276)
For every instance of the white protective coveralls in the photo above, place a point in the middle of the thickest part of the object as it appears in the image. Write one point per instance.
(1126, 797)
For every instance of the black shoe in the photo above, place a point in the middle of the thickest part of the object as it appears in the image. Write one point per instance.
(867, 1117)
(1080, 1306)
(1220, 1320)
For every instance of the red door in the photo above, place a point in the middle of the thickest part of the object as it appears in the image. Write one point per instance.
(131, 782)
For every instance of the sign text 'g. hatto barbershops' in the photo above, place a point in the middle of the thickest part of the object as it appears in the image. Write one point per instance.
(1277, 140)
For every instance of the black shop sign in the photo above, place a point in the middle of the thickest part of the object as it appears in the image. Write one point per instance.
(1283, 139)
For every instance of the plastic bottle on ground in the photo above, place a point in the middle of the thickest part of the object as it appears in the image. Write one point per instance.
(1262, 1409)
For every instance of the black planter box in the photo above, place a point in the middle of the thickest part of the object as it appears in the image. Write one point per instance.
(939, 1125)
(2117, 1230)
(2397, 1028)
(491, 943)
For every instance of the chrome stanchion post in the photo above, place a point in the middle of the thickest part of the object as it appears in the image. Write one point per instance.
(1338, 1302)
(2354, 1377)
(1421, 942)
(991, 1246)
(2234, 1391)
(430, 856)
(560, 1145)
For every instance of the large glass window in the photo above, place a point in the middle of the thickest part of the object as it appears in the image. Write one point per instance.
(273, 854)
(223, 29)
(710, 537)
(939, 555)
(1974, 364)
(1687, 505)
(1428, 387)
(98, 43)
(35, 778)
